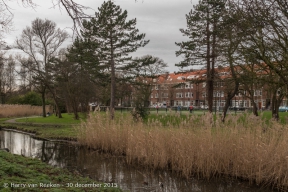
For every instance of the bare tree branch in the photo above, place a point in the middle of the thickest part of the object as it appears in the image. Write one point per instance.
(75, 10)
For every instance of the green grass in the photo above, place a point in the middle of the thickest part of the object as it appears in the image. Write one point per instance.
(15, 169)
(283, 116)
(62, 132)
(66, 119)
(4, 119)
(50, 127)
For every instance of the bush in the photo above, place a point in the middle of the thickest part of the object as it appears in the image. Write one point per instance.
(30, 98)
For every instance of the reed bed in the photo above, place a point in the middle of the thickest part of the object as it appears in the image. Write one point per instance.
(243, 147)
(7, 111)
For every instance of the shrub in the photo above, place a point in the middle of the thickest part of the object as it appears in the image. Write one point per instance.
(30, 98)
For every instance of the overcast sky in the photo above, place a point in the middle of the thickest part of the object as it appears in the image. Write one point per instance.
(160, 20)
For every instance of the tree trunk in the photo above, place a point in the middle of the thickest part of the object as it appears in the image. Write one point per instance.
(228, 99)
(208, 66)
(112, 98)
(43, 103)
(275, 105)
(255, 111)
(75, 108)
(58, 112)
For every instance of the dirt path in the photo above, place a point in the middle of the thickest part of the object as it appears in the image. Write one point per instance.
(14, 120)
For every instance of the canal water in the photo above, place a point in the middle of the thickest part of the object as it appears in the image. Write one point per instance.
(110, 169)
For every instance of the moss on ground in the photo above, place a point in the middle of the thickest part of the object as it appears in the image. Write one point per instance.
(19, 173)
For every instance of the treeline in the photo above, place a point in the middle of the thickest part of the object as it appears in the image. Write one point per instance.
(250, 37)
(97, 66)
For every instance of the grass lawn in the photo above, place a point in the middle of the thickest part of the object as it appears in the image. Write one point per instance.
(283, 116)
(50, 127)
(19, 173)
(66, 119)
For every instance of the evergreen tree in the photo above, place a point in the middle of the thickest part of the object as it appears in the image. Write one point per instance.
(116, 38)
(83, 52)
(202, 30)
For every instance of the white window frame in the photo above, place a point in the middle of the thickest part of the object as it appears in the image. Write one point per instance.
(204, 84)
(179, 95)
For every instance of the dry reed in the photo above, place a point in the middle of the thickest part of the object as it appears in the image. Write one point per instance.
(243, 147)
(20, 110)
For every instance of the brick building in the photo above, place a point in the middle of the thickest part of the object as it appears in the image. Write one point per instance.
(190, 88)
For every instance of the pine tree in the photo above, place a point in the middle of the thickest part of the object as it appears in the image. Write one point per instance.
(116, 38)
(202, 30)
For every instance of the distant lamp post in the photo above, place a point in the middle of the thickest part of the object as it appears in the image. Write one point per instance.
(197, 94)
(235, 103)
(215, 96)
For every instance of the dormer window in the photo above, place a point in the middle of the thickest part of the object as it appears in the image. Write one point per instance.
(191, 77)
(181, 78)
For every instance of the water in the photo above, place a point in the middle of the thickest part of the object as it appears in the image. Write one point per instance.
(110, 169)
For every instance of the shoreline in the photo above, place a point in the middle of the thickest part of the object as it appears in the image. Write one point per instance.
(24, 173)
(135, 161)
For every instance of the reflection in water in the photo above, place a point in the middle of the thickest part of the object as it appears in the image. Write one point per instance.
(108, 169)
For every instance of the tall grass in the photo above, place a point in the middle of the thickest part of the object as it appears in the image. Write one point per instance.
(21, 110)
(243, 147)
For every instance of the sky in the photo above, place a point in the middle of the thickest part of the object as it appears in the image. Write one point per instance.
(160, 20)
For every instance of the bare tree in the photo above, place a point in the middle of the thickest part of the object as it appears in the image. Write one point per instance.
(2, 76)
(25, 74)
(5, 23)
(41, 42)
(10, 75)
(75, 10)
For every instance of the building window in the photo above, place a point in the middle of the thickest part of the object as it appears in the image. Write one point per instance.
(203, 84)
(164, 95)
(189, 95)
(156, 95)
(151, 95)
(182, 86)
(244, 103)
(178, 103)
(188, 86)
(179, 95)
(241, 103)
